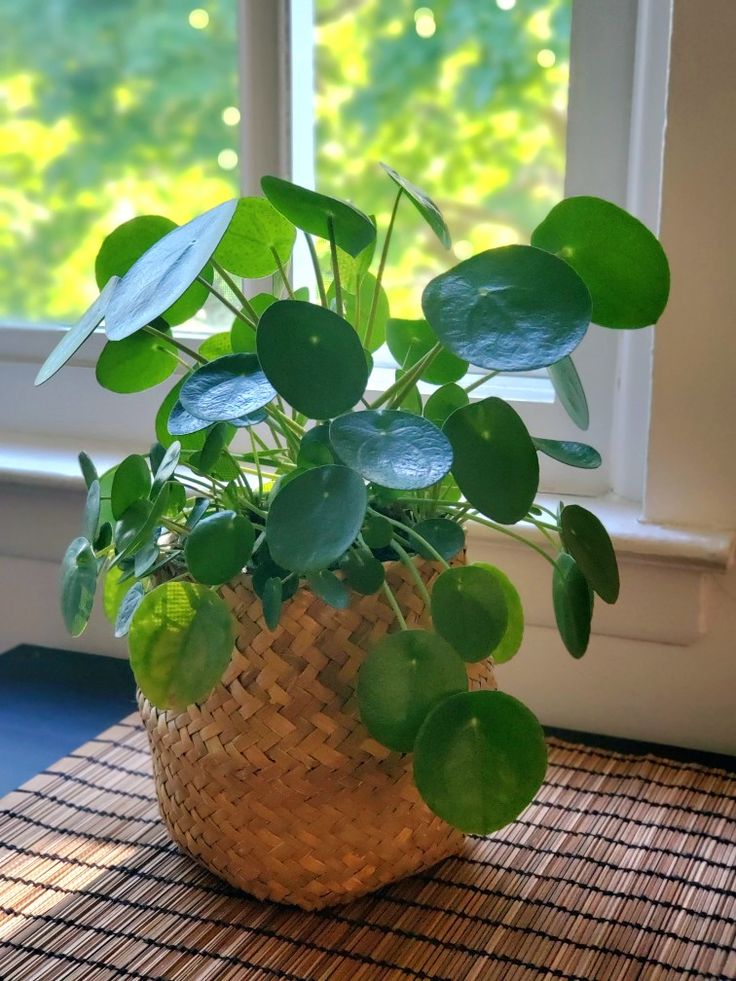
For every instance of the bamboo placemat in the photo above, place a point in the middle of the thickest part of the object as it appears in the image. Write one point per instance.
(623, 868)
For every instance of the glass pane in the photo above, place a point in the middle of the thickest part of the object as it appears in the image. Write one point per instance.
(108, 109)
(467, 98)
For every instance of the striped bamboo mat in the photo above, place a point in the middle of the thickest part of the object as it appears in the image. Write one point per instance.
(623, 868)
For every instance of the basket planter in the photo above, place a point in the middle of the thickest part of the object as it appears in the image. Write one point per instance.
(273, 783)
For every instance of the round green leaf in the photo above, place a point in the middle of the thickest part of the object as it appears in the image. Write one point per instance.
(617, 257)
(401, 680)
(571, 453)
(510, 309)
(315, 518)
(131, 482)
(113, 591)
(441, 404)
(129, 604)
(91, 520)
(77, 585)
(218, 345)
(135, 363)
(479, 760)
(573, 604)
(139, 522)
(395, 449)
(495, 462)
(75, 336)
(363, 572)
(377, 531)
(180, 644)
(315, 449)
(218, 547)
(329, 588)
(511, 640)
(162, 274)
(410, 340)
(209, 456)
(256, 231)
(424, 205)
(321, 215)
(469, 610)
(192, 441)
(227, 388)
(586, 539)
(312, 357)
(272, 600)
(569, 390)
(358, 314)
(168, 463)
(128, 242)
(445, 536)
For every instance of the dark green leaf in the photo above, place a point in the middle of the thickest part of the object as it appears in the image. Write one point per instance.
(571, 453)
(363, 572)
(219, 547)
(569, 390)
(193, 441)
(315, 449)
(317, 214)
(377, 531)
(91, 518)
(469, 610)
(511, 640)
(131, 482)
(272, 599)
(138, 523)
(424, 205)
(495, 465)
(180, 643)
(256, 231)
(479, 760)
(586, 539)
(441, 404)
(401, 680)
(617, 257)
(314, 519)
(164, 272)
(572, 601)
(409, 340)
(75, 336)
(329, 588)
(89, 470)
(77, 585)
(445, 536)
(312, 357)
(395, 449)
(226, 388)
(128, 605)
(128, 243)
(510, 309)
(168, 463)
(217, 439)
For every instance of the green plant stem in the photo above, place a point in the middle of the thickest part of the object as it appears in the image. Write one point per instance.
(413, 572)
(381, 267)
(243, 299)
(335, 267)
(175, 343)
(388, 593)
(225, 302)
(478, 382)
(512, 534)
(282, 274)
(174, 526)
(400, 387)
(317, 271)
(257, 462)
(545, 529)
(415, 535)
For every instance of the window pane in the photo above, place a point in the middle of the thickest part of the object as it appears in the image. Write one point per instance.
(108, 109)
(467, 98)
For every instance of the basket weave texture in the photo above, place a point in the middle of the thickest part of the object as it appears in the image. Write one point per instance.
(273, 783)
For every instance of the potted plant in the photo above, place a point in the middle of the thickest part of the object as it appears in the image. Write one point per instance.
(312, 651)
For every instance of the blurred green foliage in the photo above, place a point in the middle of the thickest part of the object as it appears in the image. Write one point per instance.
(110, 108)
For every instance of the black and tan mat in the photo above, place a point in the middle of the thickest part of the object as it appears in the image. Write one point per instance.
(623, 868)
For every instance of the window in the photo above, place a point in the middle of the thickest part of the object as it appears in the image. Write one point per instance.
(139, 113)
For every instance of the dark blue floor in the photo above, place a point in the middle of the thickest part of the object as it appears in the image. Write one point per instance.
(52, 701)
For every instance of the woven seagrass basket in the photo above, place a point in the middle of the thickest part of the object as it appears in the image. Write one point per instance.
(272, 783)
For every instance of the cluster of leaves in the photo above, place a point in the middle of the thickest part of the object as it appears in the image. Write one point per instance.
(330, 487)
